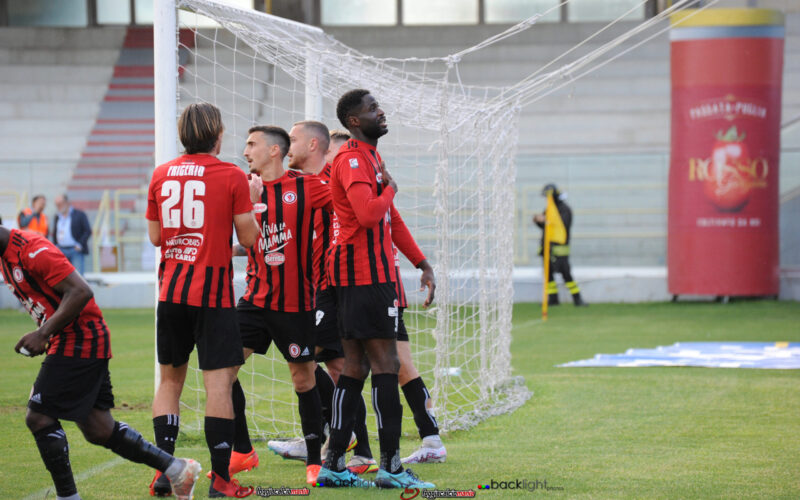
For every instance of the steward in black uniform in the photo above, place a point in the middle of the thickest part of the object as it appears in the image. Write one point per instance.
(559, 253)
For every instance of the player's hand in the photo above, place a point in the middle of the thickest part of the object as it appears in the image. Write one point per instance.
(387, 179)
(34, 342)
(427, 280)
(256, 188)
(539, 219)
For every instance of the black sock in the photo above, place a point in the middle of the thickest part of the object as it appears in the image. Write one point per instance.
(345, 400)
(417, 396)
(219, 435)
(360, 428)
(128, 443)
(165, 428)
(241, 440)
(310, 410)
(389, 412)
(325, 387)
(53, 446)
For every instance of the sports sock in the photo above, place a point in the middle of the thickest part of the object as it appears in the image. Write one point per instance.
(129, 444)
(309, 406)
(345, 400)
(165, 428)
(325, 386)
(219, 435)
(417, 396)
(360, 428)
(389, 413)
(54, 449)
(241, 440)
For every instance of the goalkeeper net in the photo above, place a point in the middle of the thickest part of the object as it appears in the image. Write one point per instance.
(451, 150)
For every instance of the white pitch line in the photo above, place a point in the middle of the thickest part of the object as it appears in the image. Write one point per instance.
(526, 324)
(80, 477)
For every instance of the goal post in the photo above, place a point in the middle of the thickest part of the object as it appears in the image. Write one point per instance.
(451, 148)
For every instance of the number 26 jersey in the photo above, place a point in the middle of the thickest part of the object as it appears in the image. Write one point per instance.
(194, 199)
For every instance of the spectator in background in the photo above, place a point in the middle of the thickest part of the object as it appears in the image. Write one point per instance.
(71, 232)
(33, 217)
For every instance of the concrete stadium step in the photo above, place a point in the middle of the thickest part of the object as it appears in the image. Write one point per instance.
(26, 110)
(60, 38)
(22, 73)
(57, 56)
(46, 91)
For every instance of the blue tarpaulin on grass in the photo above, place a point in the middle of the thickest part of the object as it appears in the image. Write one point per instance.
(768, 355)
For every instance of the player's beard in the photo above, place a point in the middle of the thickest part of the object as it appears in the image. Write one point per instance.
(375, 131)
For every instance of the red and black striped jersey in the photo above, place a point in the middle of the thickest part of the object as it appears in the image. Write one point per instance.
(359, 255)
(32, 266)
(325, 226)
(194, 198)
(279, 266)
(402, 241)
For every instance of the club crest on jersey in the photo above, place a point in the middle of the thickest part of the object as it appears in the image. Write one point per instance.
(379, 178)
(274, 259)
(260, 208)
(18, 276)
(353, 163)
(294, 350)
(289, 197)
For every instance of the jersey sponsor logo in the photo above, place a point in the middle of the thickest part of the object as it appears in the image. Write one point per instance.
(18, 275)
(183, 246)
(274, 259)
(260, 208)
(274, 236)
(320, 315)
(37, 252)
(353, 163)
(289, 197)
(294, 350)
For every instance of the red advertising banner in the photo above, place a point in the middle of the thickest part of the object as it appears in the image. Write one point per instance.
(727, 68)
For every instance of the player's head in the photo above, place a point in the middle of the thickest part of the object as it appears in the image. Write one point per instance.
(62, 203)
(308, 143)
(200, 129)
(265, 144)
(551, 188)
(38, 203)
(358, 111)
(338, 137)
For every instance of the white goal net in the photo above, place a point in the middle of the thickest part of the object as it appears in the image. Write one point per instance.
(451, 148)
(452, 153)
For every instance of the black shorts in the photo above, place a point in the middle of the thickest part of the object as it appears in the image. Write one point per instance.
(367, 311)
(68, 388)
(213, 330)
(292, 332)
(326, 329)
(402, 333)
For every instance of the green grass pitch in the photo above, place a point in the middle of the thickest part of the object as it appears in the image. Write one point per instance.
(588, 432)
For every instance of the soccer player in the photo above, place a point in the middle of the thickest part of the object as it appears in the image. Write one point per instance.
(278, 303)
(310, 142)
(338, 138)
(364, 280)
(73, 382)
(193, 204)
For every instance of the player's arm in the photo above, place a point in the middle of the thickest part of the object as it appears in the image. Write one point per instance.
(320, 193)
(404, 242)
(154, 232)
(369, 209)
(246, 229)
(239, 251)
(75, 294)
